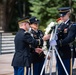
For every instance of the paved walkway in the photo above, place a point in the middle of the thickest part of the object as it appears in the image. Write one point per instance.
(5, 64)
(6, 68)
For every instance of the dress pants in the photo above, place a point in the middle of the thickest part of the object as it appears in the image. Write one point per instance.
(37, 67)
(18, 70)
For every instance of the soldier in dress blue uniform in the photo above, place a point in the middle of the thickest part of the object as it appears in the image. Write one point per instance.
(24, 45)
(37, 59)
(66, 34)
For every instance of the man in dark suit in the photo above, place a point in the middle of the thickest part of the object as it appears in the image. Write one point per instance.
(37, 59)
(66, 34)
(24, 45)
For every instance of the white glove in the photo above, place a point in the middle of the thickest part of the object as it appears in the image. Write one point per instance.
(53, 42)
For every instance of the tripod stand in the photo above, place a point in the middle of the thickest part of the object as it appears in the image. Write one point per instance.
(51, 48)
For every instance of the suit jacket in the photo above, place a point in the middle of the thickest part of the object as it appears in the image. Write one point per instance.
(24, 44)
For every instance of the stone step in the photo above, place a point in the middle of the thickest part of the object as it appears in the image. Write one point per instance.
(6, 34)
(7, 51)
(7, 39)
(8, 48)
(7, 43)
(1, 31)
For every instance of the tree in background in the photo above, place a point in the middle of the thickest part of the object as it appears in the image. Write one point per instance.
(43, 10)
(46, 10)
(20, 9)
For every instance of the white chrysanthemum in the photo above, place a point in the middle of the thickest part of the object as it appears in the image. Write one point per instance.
(49, 27)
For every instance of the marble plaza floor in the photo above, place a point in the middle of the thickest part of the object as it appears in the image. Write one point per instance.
(6, 68)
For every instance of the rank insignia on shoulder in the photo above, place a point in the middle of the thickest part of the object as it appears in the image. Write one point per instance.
(65, 30)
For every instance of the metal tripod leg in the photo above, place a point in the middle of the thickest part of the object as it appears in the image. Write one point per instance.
(50, 61)
(45, 62)
(32, 69)
(29, 70)
(60, 60)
